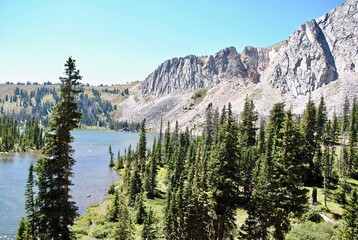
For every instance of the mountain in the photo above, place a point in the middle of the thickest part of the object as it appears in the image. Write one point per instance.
(313, 56)
(320, 58)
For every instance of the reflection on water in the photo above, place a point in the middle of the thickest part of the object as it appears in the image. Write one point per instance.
(92, 174)
(6, 160)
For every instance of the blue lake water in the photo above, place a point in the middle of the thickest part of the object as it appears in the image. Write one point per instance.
(92, 174)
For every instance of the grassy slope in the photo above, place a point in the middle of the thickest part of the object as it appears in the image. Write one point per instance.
(88, 226)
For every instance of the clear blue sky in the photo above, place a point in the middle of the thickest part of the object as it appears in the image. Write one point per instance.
(123, 41)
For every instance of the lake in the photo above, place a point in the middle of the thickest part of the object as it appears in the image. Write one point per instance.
(92, 174)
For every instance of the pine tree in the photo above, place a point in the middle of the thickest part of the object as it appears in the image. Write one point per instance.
(159, 146)
(140, 208)
(142, 146)
(196, 205)
(350, 217)
(120, 163)
(224, 178)
(166, 145)
(111, 161)
(113, 210)
(247, 142)
(177, 163)
(261, 136)
(30, 205)
(151, 171)
(353, 138)
(310, 140)
(56, 210)
(124, 227)
(261, 205)
(135, 185)
(345, 117)
(289, 195)
(149, 231)
(24, 230)
(208, 130)
(321, 118)
(279, 189)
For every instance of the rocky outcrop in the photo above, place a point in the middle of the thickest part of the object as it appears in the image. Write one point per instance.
(313, 56)
(192, 72)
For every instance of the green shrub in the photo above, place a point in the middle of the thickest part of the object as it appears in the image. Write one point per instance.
(313, 231)
(199, 94)
(100, 231)
(111, 188)
(313, 216)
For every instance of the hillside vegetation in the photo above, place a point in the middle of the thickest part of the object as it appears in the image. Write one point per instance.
(292, 177)
(98, 105)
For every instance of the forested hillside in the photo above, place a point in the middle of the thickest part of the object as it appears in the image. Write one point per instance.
(15, 138)
(97, 104)
(247, 179)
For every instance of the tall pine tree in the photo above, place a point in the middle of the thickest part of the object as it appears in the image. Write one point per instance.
(56, 209)
(224, 177)
(30, 204)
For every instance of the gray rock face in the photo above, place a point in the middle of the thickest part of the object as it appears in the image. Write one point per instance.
(313, 56)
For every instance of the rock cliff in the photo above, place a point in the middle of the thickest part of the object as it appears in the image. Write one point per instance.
(313, 56)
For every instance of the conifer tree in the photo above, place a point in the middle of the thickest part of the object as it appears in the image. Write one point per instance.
(261, 136)
(290, 196)
(151, 171)
(124, 226)
(120, 163)
(24, 230)
(159, 146)
(208, 130)
(261, 206)
(176, 134)
(141, 212)
(247, 142)
(111, 154)
(113, 210)
(56, 210)
(224, 178)
(321, 118)
(350, 217)
(177, 163)
(135, 184)
(166, 145)
(149, 231)
(353, 138)
(128, 167)
(310, 140)
(30, 205)
(196, 208)
(142, 146)
(345, 117)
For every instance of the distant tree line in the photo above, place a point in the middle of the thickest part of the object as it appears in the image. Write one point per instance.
(41, 102)
(14, 137)
(124, 126)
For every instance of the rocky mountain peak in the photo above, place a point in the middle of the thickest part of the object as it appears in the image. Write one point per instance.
(313, 56)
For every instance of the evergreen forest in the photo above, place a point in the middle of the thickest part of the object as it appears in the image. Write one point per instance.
(16, 138)
(247, 178)
(284, 177)
(33, 100)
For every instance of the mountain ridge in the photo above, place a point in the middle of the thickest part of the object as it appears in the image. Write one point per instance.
(318, 59)
(282, 64)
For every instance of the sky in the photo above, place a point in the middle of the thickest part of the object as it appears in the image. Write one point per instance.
(117, 41)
